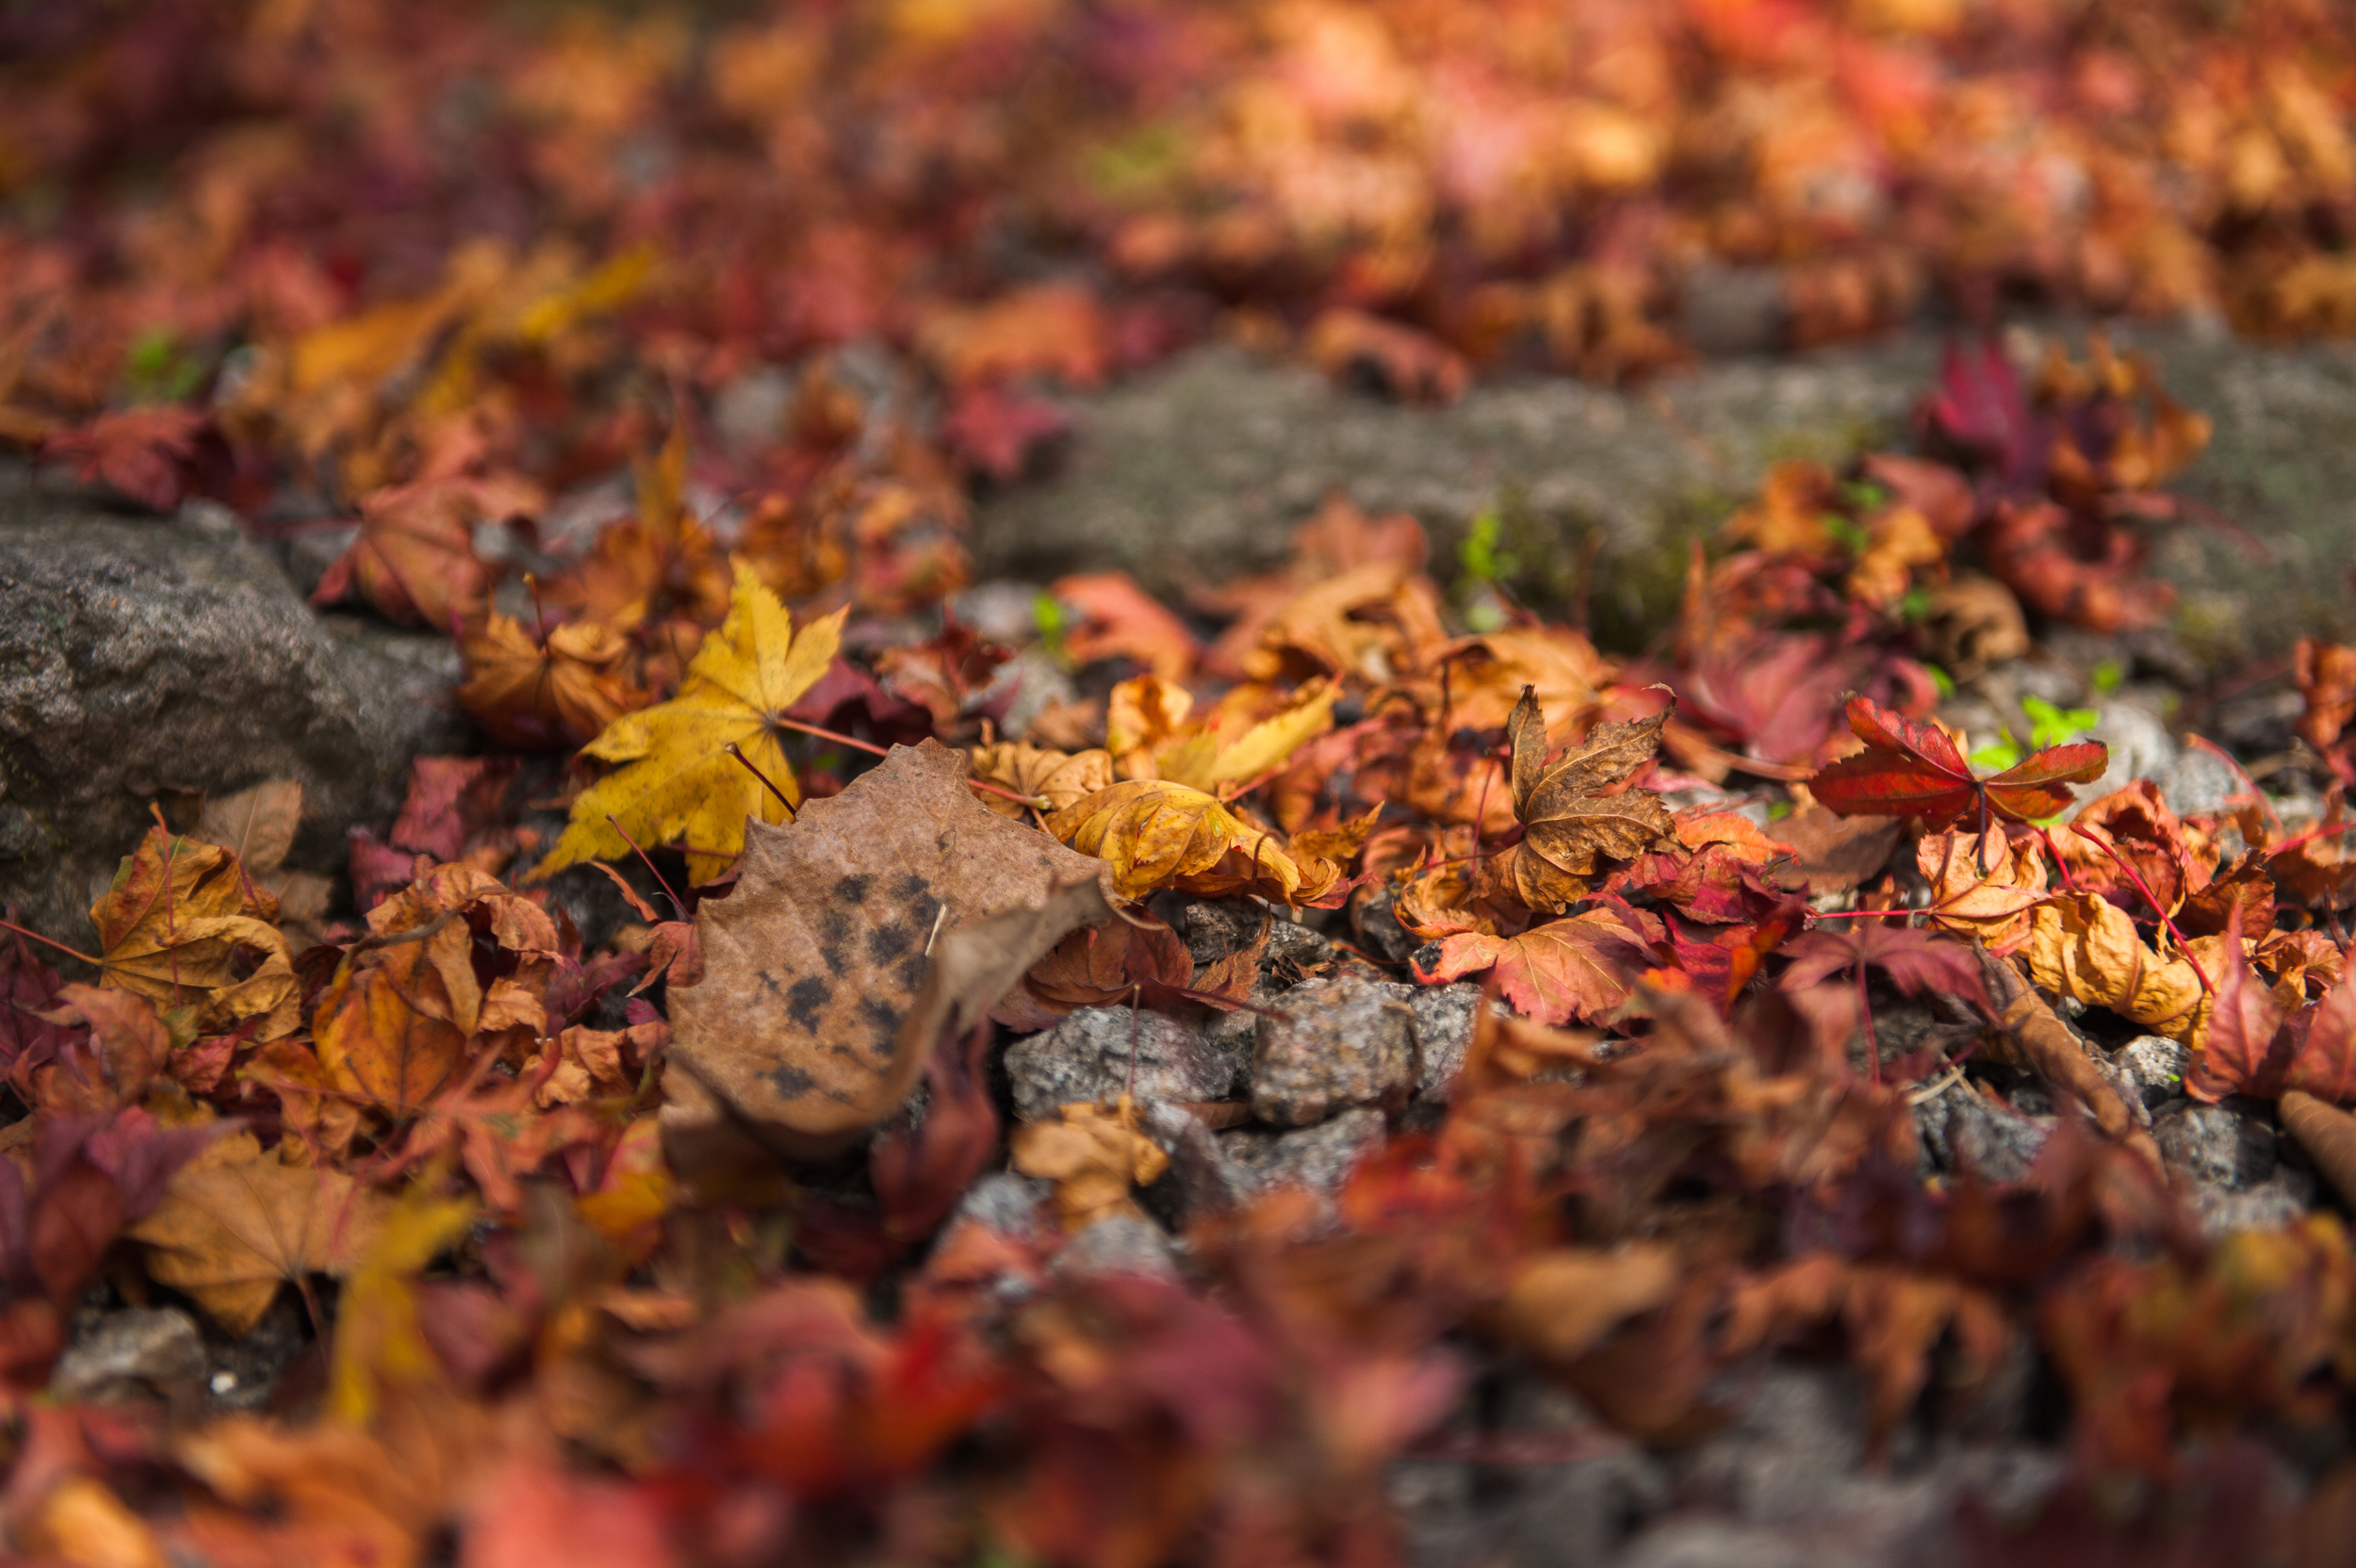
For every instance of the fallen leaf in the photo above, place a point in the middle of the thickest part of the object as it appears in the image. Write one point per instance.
(1055, 778)
(169, 926)
(678, 781)
(1565, 1302)
(1911, 769)
(1577, 967)
(255, 824)
(238, 1224)
(1094, 1156)
(414, 558)
(142, 452)
(1569, 822)
(561, 689)
(1983, 885)
(815, 966)
(1159, 835)
(2136, 826)
(2243, 1050)
(2086, 948)
(2057, 1054)
(1116, 619)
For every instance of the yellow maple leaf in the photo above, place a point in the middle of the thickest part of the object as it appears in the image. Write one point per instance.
(1157, 834)
(677, 784)
(1253, 730)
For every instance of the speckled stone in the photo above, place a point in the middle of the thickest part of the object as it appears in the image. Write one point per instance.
(1340, 1042)
(1086, 1057)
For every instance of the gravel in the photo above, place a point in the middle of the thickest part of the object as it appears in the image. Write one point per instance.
(1340, 1042)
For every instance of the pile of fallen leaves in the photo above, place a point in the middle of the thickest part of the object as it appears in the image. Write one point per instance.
(425, 265)
(700, 1245)
(737, 1229)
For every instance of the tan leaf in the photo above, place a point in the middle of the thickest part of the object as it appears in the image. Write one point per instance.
(1983, 885)
(237, 1223)
(169, 926)
(1055, 777)
(2084, 947)
(1155, 835)
(1094, 1156)
(814, 963)
(1563, 1302)
(256, 824)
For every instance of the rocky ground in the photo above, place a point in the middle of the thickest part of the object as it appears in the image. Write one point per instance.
(142, 657)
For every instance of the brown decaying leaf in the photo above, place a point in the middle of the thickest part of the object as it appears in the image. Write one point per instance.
(1570, 824)
(558, 689)
(815, 965)
(237, 1223)
(169, 927)
(1575, 968)
(1054, 778)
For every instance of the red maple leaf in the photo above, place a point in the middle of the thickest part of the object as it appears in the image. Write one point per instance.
(143, 453)
(1915, 770)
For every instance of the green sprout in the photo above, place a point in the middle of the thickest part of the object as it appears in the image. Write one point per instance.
(2048, 726)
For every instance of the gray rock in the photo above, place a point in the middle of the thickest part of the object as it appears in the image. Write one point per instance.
(1340, 1042)
(1087, 1058)
(1319, 1158)
(1119, 1244)
(1007, 1202)
(2217, 1144)
(2157, 1065)
(2282, 1199)
(1444, 1032)
(1962, 1128)
(2140, 744)
(144, 657)
(154, 1347)
(1209, 459)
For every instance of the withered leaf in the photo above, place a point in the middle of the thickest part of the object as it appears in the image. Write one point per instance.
(238, 1222)
(814, 963)
(1055, 778)
(1156, 834)
(1569, 969)
(170, 925)
(2086, 947)
(1568, 820)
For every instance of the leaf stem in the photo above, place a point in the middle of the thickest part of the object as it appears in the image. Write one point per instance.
(874, 750)
(676, 907)
(746, 763)
(11, 925)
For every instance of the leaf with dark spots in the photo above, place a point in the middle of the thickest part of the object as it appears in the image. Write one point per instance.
(845, 971)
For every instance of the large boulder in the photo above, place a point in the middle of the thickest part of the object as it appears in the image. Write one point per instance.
(146, 659)
(1199, 470)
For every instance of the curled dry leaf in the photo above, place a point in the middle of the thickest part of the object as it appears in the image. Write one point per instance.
(1250, 732)
(1983, 885)
(1094, 1156)
(1156, 835)
(1563, 1302)
(678, 782)
(808, 1021)
(2086, 948)
(2137, 827)
(556, 691)
(2326, 682)
(170, 925)
(237, 1223)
